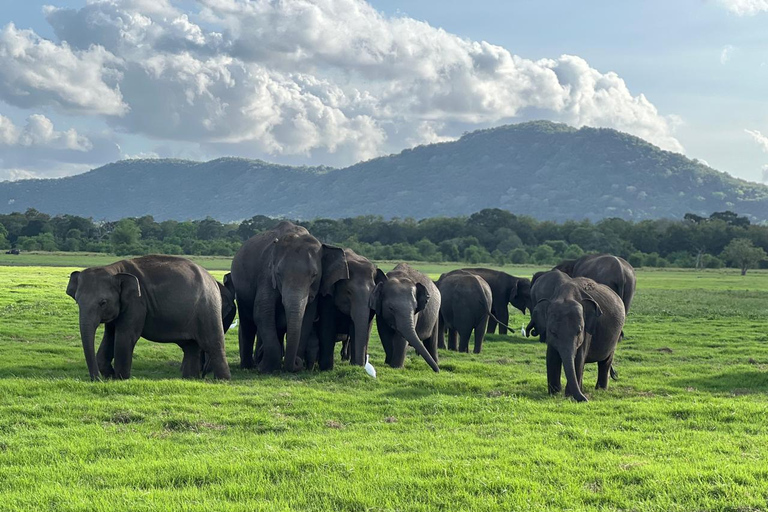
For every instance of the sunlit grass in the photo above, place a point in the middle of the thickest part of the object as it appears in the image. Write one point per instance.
(683, 429)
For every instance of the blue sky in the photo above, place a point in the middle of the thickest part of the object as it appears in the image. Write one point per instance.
(194, 79)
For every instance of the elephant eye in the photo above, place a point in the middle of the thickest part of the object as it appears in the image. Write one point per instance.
(103, 302)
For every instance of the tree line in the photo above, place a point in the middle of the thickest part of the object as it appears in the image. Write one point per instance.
(491, 236)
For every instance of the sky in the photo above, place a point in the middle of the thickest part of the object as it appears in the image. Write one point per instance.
(308, 82)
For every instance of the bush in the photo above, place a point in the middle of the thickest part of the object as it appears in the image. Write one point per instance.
(544, 254)
(636, 259)
(519, 256)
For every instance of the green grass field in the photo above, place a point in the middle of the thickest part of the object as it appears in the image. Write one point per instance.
(684, 429)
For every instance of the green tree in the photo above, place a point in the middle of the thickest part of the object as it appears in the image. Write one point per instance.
(544, 254)
(743, 254)
(126, 233)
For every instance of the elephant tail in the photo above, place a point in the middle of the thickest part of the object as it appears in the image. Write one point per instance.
(499, 321)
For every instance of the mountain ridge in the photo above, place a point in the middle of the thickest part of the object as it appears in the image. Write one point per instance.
(547, 170)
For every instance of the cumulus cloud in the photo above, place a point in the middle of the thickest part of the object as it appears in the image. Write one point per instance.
(745, 7)
(332, 80)
(38, 149)
(759, 138)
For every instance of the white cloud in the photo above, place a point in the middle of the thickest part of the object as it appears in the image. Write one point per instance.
(725, 54)
(765, 173)
(759, 138)
(745, 7)
(39, 132)
(35, 72)
(333, 80)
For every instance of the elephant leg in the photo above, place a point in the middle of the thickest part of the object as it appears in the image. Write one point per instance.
(386, 334)
(504, 318)
(106, 352)
(431, 342)
(603, 369)
(191, 362)
(327, 335)
(246, 334)
(464, 336)
(270, 345)
(124, 346)
(453, 339)
(480, 333)
(211, 345)
(399, 348)
(441, 333)
(554, 368)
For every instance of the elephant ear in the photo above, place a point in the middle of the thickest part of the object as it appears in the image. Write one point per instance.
(422, 297)
(566, 267)
(129, 286)
(228, 308)
(72, 286)
(335, 268)
(381, 277)
(521, 290)
(229, 284)
(592, 312)
(374, 301)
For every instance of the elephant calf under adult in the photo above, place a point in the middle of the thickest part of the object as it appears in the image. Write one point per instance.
(581, 322)
(407, 305)
(505, 289)
(165, 299)
(346, 312)
(466, 302)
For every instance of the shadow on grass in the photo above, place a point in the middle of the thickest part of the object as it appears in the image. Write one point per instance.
(736, 381)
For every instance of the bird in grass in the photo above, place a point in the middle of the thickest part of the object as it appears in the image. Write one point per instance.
(522, 330)
(369, 369)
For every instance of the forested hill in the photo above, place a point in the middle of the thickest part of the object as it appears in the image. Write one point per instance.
(541, 169)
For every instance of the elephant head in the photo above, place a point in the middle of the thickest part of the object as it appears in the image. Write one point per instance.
(352, 298)
(100, 296)
(520, 295)
(300, 268)
(228, 308)
(398, 302)
(566, 323)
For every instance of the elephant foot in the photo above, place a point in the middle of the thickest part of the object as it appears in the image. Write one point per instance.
(555, 390)
(107, 372)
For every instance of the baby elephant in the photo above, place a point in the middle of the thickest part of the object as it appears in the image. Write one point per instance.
(581, 322)
(165, 299)
(465, 306)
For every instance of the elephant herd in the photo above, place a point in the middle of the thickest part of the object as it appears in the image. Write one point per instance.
(297, 298)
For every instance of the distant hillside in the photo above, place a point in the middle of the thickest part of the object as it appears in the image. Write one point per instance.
(541, 169)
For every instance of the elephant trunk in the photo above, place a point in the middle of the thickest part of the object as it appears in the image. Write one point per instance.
(87, 334)
(361, 322)
(409, 333)
(572, 382)
(295, 307)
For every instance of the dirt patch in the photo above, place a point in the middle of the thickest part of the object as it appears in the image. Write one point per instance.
(664, 350)
(334, 424)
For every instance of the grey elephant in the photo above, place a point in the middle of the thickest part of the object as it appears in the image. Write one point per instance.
(465, 306)
(581, 322)
(346, 314)
(612, 271)
(407, 306)
(506, 289)
(166, 299)
(277, 276)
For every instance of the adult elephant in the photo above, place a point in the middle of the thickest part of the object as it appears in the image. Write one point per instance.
(346, 311)
(466, 301)
(277, 275)
(407, 306)
(165, 299)
(612, 271)
(582, 322)
(505, 289)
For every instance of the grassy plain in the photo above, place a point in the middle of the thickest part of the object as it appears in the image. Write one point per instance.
(685, 428)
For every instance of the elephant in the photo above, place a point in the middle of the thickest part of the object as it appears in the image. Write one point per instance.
(466, 302)
(612, 271)
(166, 299)
(346, 314)
(277, 276)
(544, 285)
(228, 307)
(506, 289)
(407, 306)
(582, 322)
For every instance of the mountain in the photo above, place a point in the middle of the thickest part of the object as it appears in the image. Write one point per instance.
(542, 169)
